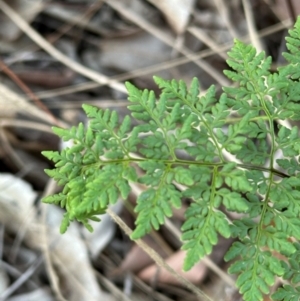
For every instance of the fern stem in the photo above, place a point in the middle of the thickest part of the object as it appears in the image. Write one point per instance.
(256, 242)
(126, 152)
(210, 131)
(169, 144)
(272, 132)
(184, 162)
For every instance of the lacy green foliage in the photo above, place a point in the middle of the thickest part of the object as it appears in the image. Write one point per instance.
(231, 153)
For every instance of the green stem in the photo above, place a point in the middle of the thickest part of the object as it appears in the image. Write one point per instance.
(210, 131)
(185, 162)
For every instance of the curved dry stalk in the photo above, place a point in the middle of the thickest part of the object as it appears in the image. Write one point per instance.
(157, 258)
(44, 44)
(26, 89)
(222, 8)
(9, 150)
(51, 185)
(202, 36)
(22, 279)
(206, 260)
(157, 32)
(26, 124)
(161, 66)
(255, 41)
(177, 233)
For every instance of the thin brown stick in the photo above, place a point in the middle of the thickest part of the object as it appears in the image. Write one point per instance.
(44, 44)
(22, 279)
(157, 258)
(291, 10)
(11, 101)
(161, 66)
(9, 150)
(49, 189)
(169, 40)
(25, 124)
(177, 233)
(256, 42)
(77, 21)
(26, 89)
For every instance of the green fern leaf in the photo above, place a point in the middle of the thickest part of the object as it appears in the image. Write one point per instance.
(221, 154)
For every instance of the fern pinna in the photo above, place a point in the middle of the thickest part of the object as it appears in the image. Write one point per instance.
(233, 153)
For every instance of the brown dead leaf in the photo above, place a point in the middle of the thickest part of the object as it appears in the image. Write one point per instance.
(136, 259)
(195, 275)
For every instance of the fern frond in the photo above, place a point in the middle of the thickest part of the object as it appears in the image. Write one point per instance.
(183, 140)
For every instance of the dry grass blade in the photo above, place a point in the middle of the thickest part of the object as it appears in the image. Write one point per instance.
(159, 261)
(1, 240)
(112, 288)
(25, 124)
(201, 35)
(8, 149)
(162, 66)
(291, 10)
(78, 20)
(256, 42)
(206, 260)
(26, 89)
(10, 101)
(177, 233)
(23, 278)
(222, 7)
(79, 285)
(51, 185)
(157, 296)
(68, 254)
(17, 274)
(167, 39)
(177, 13)
(44, 44)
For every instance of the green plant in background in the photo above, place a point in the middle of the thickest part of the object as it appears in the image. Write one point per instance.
(235, 153)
